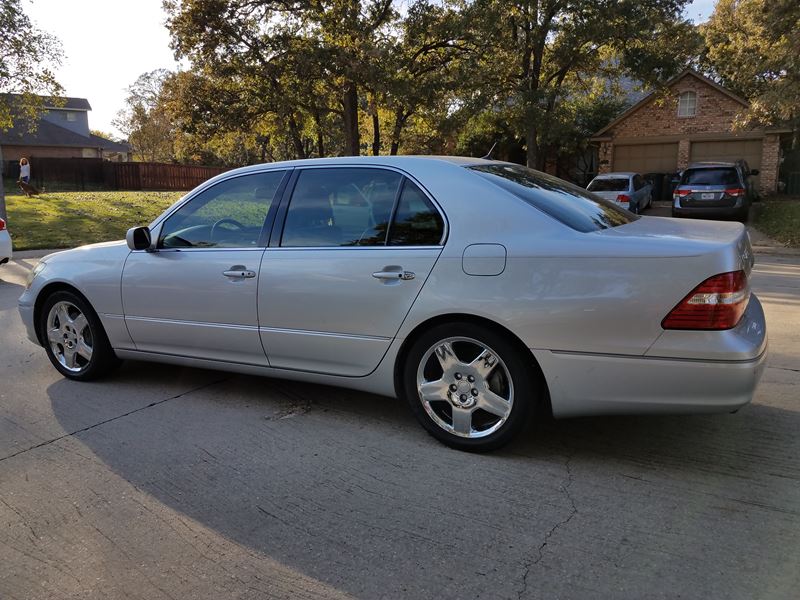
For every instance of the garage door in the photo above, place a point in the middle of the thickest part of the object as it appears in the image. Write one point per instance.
(646, 158)
(728, 151)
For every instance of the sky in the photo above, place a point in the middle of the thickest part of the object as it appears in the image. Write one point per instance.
(109, 43)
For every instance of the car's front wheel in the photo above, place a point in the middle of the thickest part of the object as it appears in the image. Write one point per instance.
(469, 386)
(74, 338)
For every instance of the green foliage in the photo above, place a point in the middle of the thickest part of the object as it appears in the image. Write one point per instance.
(26, 57)
(68, 219)
(145, 122)
(753, 47)
(779, 218)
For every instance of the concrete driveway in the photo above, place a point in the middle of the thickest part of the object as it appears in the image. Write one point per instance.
(165, 482)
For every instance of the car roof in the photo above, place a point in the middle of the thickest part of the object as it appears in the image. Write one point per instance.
(616, 174)
(712, 165)
(397, 161)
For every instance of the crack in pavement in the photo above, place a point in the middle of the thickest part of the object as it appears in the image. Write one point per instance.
(540, 551)
(122, 416)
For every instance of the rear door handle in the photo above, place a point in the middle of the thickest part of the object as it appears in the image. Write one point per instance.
(394, 275)
(239, 272)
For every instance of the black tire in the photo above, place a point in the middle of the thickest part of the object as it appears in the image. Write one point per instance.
(102, 361)
(524, 388)
(675, 213)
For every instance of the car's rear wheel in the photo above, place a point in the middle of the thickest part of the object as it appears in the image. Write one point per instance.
(74, 338)
(469, 386)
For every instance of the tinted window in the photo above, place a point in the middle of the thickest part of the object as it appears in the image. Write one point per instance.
(341, 207)
(721, 176)
(227, 215)
(609, 185)
(416, 222)
(567, 203)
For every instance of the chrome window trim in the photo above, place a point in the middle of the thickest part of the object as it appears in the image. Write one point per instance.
(446, 228)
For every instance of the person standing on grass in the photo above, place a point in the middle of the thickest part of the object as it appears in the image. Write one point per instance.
(24, 170)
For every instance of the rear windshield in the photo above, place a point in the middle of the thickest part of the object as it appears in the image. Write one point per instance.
(609, 185)
(573, 206)
(720, 176)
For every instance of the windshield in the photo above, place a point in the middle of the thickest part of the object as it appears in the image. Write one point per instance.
(617, 184)
(571, 205)
(719, 176)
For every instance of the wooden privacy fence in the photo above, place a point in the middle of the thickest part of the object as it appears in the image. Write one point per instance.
(93, 173)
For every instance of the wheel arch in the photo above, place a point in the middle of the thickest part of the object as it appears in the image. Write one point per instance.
(411, 338)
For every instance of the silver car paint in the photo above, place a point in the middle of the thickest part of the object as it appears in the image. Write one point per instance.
(5, 246)
(589, 306)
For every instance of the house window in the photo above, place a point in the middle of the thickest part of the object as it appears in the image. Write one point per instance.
(687, 104)
(71, 116)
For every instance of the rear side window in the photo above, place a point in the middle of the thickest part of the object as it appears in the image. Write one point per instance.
(567, 203)
(416, 221)
(721, 176)
(618, 184)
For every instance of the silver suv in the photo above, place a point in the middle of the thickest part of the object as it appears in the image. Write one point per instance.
(719, 189)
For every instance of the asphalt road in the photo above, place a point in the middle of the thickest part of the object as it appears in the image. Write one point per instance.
(164, 482)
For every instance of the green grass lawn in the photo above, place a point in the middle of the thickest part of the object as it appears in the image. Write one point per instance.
(779, 218)
(68, 219)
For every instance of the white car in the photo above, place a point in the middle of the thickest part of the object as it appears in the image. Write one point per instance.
(628, 190)
(5, 243)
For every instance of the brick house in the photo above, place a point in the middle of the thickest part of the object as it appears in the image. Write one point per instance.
(61, 132)
(690, 120)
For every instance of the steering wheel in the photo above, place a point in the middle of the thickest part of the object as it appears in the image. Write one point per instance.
(233, 222)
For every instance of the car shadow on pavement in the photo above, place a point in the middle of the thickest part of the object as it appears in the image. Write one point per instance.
(346, 487)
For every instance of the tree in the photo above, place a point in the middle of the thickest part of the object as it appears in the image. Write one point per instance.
(26, 57)
(144, 120)
(539, 52)
(752, 47)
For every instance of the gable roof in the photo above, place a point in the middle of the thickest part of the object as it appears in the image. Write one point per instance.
(50, 134)
(48, 101)
(685, 73)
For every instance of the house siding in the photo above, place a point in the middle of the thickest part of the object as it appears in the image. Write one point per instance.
(17, 152)
(59, 117)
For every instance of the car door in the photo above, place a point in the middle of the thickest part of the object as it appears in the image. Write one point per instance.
(355, 247)
(195, 295)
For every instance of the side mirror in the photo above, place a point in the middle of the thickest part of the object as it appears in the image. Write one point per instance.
(754, 172)
(138, 238)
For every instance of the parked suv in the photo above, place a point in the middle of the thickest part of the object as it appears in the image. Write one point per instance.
(719, 189)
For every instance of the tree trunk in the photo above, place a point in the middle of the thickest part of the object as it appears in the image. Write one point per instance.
(376, 134)
(3, 214)
(297, 141)
(400, 118)
(320, 138)
(352, 142)
(532, 155)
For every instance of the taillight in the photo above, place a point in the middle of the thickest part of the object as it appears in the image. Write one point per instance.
(736, 192)
(2, 224)
(680, 194)
(717, 303)
(624, 199)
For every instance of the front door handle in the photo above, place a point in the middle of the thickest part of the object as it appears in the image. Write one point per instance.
(394, 275)
(239, 272)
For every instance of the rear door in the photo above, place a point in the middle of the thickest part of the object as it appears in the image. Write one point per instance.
(347, 259)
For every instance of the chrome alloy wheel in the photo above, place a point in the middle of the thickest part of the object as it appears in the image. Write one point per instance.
(69, 336)
(465, 387)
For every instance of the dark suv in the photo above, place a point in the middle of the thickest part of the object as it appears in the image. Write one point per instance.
(719, 189)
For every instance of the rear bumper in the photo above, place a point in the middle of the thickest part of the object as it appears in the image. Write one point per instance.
(723, 211)
(683, 372)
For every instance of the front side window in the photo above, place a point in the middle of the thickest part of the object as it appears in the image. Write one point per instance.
(687, 104)
(230, 214)
(346, 206)
(564, 202)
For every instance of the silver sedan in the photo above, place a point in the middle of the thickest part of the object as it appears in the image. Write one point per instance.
(482, 292)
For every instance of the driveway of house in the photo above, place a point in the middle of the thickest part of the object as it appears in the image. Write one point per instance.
(165, 482)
